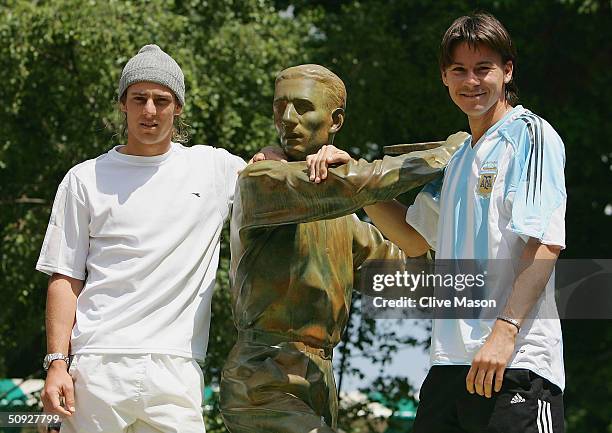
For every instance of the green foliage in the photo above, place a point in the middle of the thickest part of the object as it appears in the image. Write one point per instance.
(377, 342)
(588, 352)
(386, 52)
(60, 63)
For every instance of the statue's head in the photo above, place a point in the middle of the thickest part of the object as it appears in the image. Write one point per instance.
(309, 103)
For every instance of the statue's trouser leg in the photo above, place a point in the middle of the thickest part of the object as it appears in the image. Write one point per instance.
(286, 387)
(253, 421)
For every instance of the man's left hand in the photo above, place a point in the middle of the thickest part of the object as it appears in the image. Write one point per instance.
(269, 153)
(491, 360)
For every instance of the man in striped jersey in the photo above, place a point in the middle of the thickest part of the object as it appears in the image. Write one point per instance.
(502, 197)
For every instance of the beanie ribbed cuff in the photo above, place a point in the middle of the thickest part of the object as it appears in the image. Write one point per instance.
(153, 65)
(153, 75)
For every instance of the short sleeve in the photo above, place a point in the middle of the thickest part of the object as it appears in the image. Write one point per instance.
(66, 244)
(423, 214)
(537, 194)
(232, 166)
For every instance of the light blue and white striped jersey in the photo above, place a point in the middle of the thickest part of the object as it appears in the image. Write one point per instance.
(507, 187)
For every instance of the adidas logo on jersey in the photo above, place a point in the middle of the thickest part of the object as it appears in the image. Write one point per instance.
(517, 399)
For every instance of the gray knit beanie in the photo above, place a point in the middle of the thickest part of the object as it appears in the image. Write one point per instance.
(154, 65)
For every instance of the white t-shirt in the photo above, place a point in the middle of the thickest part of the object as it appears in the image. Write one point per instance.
(143, 233)
(495, 195)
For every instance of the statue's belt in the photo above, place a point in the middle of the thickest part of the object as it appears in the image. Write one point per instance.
(280, 341)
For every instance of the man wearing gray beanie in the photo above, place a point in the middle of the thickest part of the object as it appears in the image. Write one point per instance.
(134, 236)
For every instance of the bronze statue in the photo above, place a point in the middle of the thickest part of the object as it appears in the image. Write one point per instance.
(295, 250)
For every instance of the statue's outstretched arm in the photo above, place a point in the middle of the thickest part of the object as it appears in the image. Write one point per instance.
(275, 193)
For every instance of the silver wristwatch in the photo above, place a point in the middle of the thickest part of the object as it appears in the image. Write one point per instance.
(54, 357)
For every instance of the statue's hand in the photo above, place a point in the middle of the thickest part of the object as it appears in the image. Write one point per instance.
(327, 155)
(269, 153)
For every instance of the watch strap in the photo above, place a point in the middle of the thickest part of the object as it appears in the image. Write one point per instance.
(49, 358)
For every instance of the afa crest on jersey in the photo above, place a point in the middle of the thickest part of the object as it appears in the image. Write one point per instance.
(486, 179)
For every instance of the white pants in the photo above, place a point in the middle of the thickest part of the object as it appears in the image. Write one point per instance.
(136, 394)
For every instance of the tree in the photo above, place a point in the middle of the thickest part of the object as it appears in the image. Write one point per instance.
(61, 63)
(386, 52)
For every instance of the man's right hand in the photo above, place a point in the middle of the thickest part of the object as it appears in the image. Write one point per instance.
(327, 155)
(58, 384)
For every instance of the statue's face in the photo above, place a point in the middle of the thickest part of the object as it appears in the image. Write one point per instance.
(301, 116)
